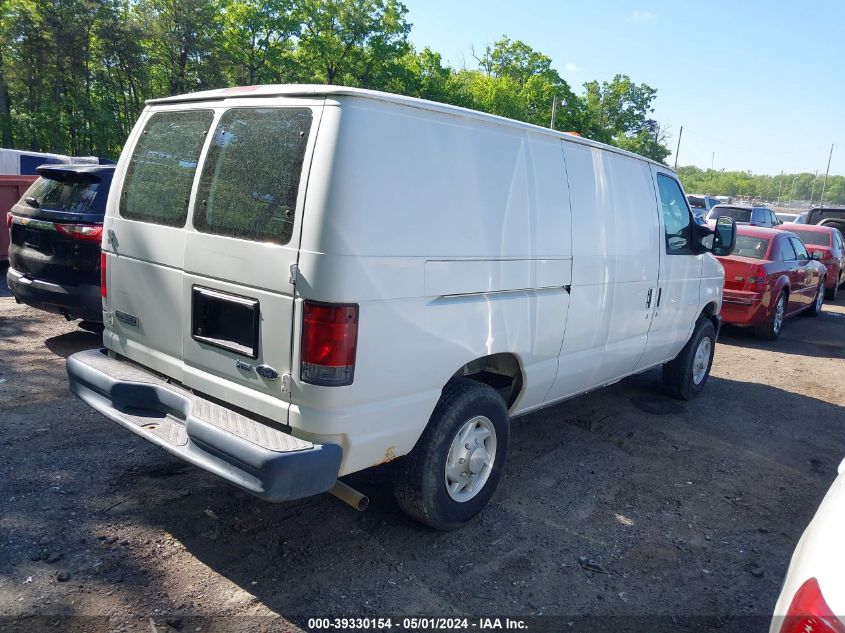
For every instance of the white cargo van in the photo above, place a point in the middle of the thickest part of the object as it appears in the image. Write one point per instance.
(301, 282)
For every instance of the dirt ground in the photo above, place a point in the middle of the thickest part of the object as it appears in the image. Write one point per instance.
(687, 509)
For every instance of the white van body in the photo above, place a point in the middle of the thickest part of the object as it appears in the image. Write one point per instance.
(470, 244)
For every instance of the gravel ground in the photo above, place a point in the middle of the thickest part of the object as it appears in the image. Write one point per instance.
(620, 503)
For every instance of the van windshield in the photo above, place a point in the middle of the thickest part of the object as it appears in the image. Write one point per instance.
(739, 215)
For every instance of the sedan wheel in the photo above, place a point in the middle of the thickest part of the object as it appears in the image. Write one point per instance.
(816, 308)
(771, 329)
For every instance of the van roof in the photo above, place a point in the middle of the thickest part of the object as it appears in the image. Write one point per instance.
(321, 90)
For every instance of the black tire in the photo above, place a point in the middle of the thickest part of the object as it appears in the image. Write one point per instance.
(420, 481)
(830, 293)
(769, 331)
(91, 326)
(678, 373)
(818, 300)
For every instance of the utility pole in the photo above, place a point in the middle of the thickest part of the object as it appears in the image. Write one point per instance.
(678, 148)
(554, 112)
(791, 188)
(827, 171)
(813, 188)
(712, 173)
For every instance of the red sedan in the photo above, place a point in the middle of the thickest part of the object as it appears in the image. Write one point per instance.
(770, 276)
(828, 241)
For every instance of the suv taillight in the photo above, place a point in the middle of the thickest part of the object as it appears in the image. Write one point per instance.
(809, 612)
(87, 232)
(329, 339)
(104, 293)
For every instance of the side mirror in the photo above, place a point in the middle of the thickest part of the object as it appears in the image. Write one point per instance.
(724, 237)
(817, 255)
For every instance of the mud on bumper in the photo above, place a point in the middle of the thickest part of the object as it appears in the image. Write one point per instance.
(254, 456)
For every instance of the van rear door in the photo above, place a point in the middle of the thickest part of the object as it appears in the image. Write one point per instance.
(201, 246)
(238, 282)
(144, 245)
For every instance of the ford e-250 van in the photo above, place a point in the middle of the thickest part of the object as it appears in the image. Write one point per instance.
(301, 282)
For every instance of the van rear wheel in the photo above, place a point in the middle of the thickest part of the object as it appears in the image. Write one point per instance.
(454, 469)
(684, 377)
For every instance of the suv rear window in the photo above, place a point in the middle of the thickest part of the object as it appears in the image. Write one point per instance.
(250, 179)
(738, 215)
(161, 169)
(71, 195)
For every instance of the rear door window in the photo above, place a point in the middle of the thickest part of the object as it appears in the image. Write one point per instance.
(787, 252)
(250, 179)
(800, 249)
(161, 170)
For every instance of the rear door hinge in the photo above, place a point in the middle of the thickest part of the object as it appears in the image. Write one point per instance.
(286, 383)
(294, 273)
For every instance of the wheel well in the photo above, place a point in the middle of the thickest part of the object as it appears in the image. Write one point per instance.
(709, 312)
(500, 371)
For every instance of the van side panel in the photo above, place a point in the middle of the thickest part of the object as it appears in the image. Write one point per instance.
(453, 236)
(616, 241)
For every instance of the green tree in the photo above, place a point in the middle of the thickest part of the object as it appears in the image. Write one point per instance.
(257, 40)
(351, 41)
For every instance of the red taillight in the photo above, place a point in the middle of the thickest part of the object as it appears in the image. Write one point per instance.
(104, 293)
(87, 232)
(756, 278)
(329, 339)
(808, 612)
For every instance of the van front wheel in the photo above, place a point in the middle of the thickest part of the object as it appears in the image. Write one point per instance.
(454, 469)
(684, 377)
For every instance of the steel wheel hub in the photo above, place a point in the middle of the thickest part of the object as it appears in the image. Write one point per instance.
(470, 459)
(701, 361)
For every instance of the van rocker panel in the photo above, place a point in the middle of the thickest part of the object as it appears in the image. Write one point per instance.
(262, 460)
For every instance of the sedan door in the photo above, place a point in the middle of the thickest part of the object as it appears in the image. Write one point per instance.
(806, 275)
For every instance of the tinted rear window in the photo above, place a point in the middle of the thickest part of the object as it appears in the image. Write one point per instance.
(71, 196)
(739, 215)
(696, 203)
(161, 170)
(754, 247)
(250, 179)
(816, 238)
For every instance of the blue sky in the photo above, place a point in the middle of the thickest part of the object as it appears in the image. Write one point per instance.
(758, 86)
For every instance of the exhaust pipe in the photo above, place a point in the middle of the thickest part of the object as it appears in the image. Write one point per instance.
(350, 496)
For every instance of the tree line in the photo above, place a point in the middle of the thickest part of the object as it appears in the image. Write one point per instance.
(74, 74)
(782, 188)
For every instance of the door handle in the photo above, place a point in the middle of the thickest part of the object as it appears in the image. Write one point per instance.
(648, 298)
(659, 294)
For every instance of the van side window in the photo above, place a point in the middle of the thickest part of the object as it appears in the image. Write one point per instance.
(250, 180)
(161, 170)
(676, 216)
